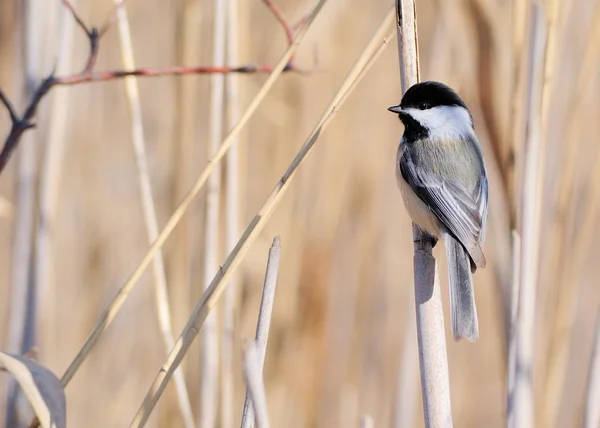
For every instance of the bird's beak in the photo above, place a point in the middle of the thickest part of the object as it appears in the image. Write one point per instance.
(395, 109)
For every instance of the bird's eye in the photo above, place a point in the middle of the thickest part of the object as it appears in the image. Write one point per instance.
(423, 106)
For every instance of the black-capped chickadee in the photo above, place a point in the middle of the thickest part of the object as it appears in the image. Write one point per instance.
(443, 181)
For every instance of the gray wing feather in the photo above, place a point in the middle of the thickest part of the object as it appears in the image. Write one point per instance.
(463, 212)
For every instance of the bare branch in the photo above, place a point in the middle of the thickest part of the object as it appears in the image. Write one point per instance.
(21, 124)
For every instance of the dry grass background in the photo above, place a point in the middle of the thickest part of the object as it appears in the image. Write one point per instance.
(344, 309)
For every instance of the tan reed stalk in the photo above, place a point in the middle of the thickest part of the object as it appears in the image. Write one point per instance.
(50, 181)
(523, 398)
(161, 295)
(220, 281)
(256, 385)
(512, 340)
(19, 330)
(264, 323)
(209, 360)
(433, 359)
(232, 228)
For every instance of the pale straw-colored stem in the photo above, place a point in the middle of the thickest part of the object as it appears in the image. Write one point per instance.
(210, 297)
(20, 331)
(256, 385)
(51, 175)
(264, 322)
(232, 227)
(435, 383)
(512, 339)
(209, 364)
(161, 295)
(523, 398)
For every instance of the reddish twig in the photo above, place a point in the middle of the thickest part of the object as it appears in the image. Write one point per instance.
(20, 124)
(289, 28)
(103, 76)
(76, 16)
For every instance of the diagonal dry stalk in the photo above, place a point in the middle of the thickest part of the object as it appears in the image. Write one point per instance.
(161, 295)
(264, 322)
(435, 383)
(210, 297)
(523, 400)
(111, 311)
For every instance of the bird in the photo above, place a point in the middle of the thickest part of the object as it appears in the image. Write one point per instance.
(442, 177)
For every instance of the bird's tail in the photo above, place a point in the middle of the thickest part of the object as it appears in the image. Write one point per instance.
(462, 294)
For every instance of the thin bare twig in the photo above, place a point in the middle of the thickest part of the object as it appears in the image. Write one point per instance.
(210, 297)
(264, 322)
(20, 124)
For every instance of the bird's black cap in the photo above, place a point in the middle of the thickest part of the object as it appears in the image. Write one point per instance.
(431, 93)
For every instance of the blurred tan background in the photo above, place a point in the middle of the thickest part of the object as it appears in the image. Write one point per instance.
(343, 341)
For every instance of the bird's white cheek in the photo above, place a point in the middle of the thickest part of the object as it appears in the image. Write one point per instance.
(444, 121)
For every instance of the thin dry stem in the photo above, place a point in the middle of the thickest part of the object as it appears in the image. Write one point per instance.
(50, 184)
(530, 224)
(256, 385)
(264, 322)
(114, 307)
(435, 383)
(232, 228)
(512, 343)
(211, 296)
(209, 368)
(161, 295)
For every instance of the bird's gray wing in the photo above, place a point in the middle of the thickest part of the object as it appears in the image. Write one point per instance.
(462, 212)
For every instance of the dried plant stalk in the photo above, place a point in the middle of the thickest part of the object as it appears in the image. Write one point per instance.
(512, 342)
(264, 322)
(435, 383)
(523, 400)
(209, 364)
(256, 385)
(211, 296)
(161, 295)
(232, 228)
